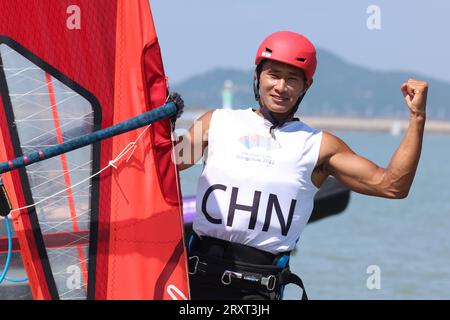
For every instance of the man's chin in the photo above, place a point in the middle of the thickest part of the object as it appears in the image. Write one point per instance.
(279, 110)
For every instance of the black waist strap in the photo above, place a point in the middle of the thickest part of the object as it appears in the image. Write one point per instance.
(206, 261)
(221, 249)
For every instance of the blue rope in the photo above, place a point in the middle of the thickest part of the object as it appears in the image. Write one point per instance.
(8, 257)
(165, 111)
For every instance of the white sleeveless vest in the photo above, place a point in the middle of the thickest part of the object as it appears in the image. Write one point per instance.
(254, 189)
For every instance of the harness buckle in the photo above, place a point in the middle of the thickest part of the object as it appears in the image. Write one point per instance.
(269, 282)
(197, 259)
(226, 276)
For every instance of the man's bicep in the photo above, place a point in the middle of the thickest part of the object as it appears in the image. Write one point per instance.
(355, 171)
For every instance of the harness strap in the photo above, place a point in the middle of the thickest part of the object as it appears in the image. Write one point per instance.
(288, 277)
(239, 274)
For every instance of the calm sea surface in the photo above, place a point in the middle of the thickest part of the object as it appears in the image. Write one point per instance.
(406, 242)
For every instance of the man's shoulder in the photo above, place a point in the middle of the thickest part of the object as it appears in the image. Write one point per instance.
(306, 127)
(220, 115)
(230, 113)
(331, 144)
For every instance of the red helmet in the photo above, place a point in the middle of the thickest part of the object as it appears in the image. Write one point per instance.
(291, 48)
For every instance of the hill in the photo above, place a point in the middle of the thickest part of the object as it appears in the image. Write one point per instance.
(340, 89)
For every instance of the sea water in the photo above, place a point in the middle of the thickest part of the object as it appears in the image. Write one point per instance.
(379, 248)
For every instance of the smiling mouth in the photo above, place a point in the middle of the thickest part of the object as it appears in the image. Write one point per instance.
(278, 98)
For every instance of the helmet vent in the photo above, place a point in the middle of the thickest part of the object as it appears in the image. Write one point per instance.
(301, 59)
(268, 50)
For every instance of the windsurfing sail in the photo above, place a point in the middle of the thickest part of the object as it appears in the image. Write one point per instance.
(103, 221)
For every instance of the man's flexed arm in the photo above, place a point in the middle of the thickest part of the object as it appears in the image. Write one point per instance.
(364, 176)
(406, 159)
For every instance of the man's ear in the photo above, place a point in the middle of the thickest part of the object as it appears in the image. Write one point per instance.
(308, 84)
(256, 85)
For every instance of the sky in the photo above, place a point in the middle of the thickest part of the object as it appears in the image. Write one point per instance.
(400, 35)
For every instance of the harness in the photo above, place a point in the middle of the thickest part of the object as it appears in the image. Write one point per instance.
(229, 263)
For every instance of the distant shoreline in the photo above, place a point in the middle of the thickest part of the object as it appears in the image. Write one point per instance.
(393, 126)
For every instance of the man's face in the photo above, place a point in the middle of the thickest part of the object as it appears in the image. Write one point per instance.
(280, 86)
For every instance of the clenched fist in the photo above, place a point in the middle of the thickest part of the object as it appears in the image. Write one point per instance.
(415, 94)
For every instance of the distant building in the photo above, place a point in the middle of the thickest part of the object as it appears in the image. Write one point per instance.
(227, 95)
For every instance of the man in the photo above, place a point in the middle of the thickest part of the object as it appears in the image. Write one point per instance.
(263, 168)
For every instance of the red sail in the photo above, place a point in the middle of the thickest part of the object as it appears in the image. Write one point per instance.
(74, 67)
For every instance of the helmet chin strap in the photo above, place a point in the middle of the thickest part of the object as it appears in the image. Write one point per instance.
(269, 115)
(276, 122)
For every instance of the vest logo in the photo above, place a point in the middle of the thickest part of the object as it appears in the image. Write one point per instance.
(272, 205)
(255, 140)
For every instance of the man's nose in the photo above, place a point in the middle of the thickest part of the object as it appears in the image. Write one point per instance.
(281, 85)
